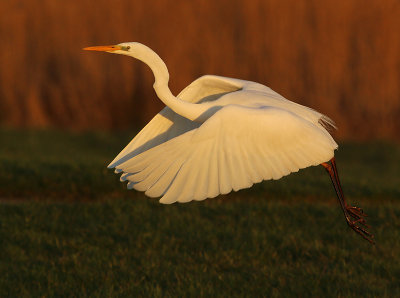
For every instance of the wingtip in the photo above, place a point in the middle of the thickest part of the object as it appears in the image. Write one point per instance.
(112, 165)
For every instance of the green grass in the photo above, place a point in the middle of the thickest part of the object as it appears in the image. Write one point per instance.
(68, 227)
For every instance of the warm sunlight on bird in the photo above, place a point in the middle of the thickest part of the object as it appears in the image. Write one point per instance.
(222, 134)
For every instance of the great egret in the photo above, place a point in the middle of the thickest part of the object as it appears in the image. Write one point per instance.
(222, 134)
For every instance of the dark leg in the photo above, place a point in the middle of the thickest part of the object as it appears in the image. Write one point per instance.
(354, 211)
(354, 215)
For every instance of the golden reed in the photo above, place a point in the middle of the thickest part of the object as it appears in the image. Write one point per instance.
(341, 58)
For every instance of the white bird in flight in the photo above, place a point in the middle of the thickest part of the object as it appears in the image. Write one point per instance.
(222, 134)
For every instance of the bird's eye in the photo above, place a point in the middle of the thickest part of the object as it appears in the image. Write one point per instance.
(128, 47)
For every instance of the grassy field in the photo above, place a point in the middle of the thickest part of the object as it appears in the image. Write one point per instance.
(68, 227)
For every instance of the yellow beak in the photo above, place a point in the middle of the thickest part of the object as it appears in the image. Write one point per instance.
(103, 48)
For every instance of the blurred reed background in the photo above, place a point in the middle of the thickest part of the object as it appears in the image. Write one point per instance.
(341, 58)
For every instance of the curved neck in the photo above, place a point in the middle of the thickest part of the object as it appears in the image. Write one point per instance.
(188, 110)
(156, 64)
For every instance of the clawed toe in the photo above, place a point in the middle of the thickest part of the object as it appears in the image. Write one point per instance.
(358, 215)
(359, 219)
(364, 233)
(356, 211)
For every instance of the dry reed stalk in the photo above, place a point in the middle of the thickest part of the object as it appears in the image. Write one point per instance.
(341, 58)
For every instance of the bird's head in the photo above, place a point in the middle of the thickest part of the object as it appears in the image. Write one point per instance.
(125, 48)
(140, 52)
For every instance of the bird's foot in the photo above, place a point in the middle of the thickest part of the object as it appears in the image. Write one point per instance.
(359, 218)
(358, 214)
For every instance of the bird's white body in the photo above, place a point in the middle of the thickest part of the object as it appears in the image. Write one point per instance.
(219, 134)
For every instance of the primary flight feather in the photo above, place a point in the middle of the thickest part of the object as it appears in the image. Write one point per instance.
(222, 134)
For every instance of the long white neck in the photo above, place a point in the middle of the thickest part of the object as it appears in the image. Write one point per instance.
(188, 110)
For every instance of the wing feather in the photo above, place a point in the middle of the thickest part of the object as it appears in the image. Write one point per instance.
(161, 186)
(201, 183)
(212, 179)
(224, 168)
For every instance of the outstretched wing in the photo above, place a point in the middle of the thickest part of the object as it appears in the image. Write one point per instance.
(167, 124)
(235, 148)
